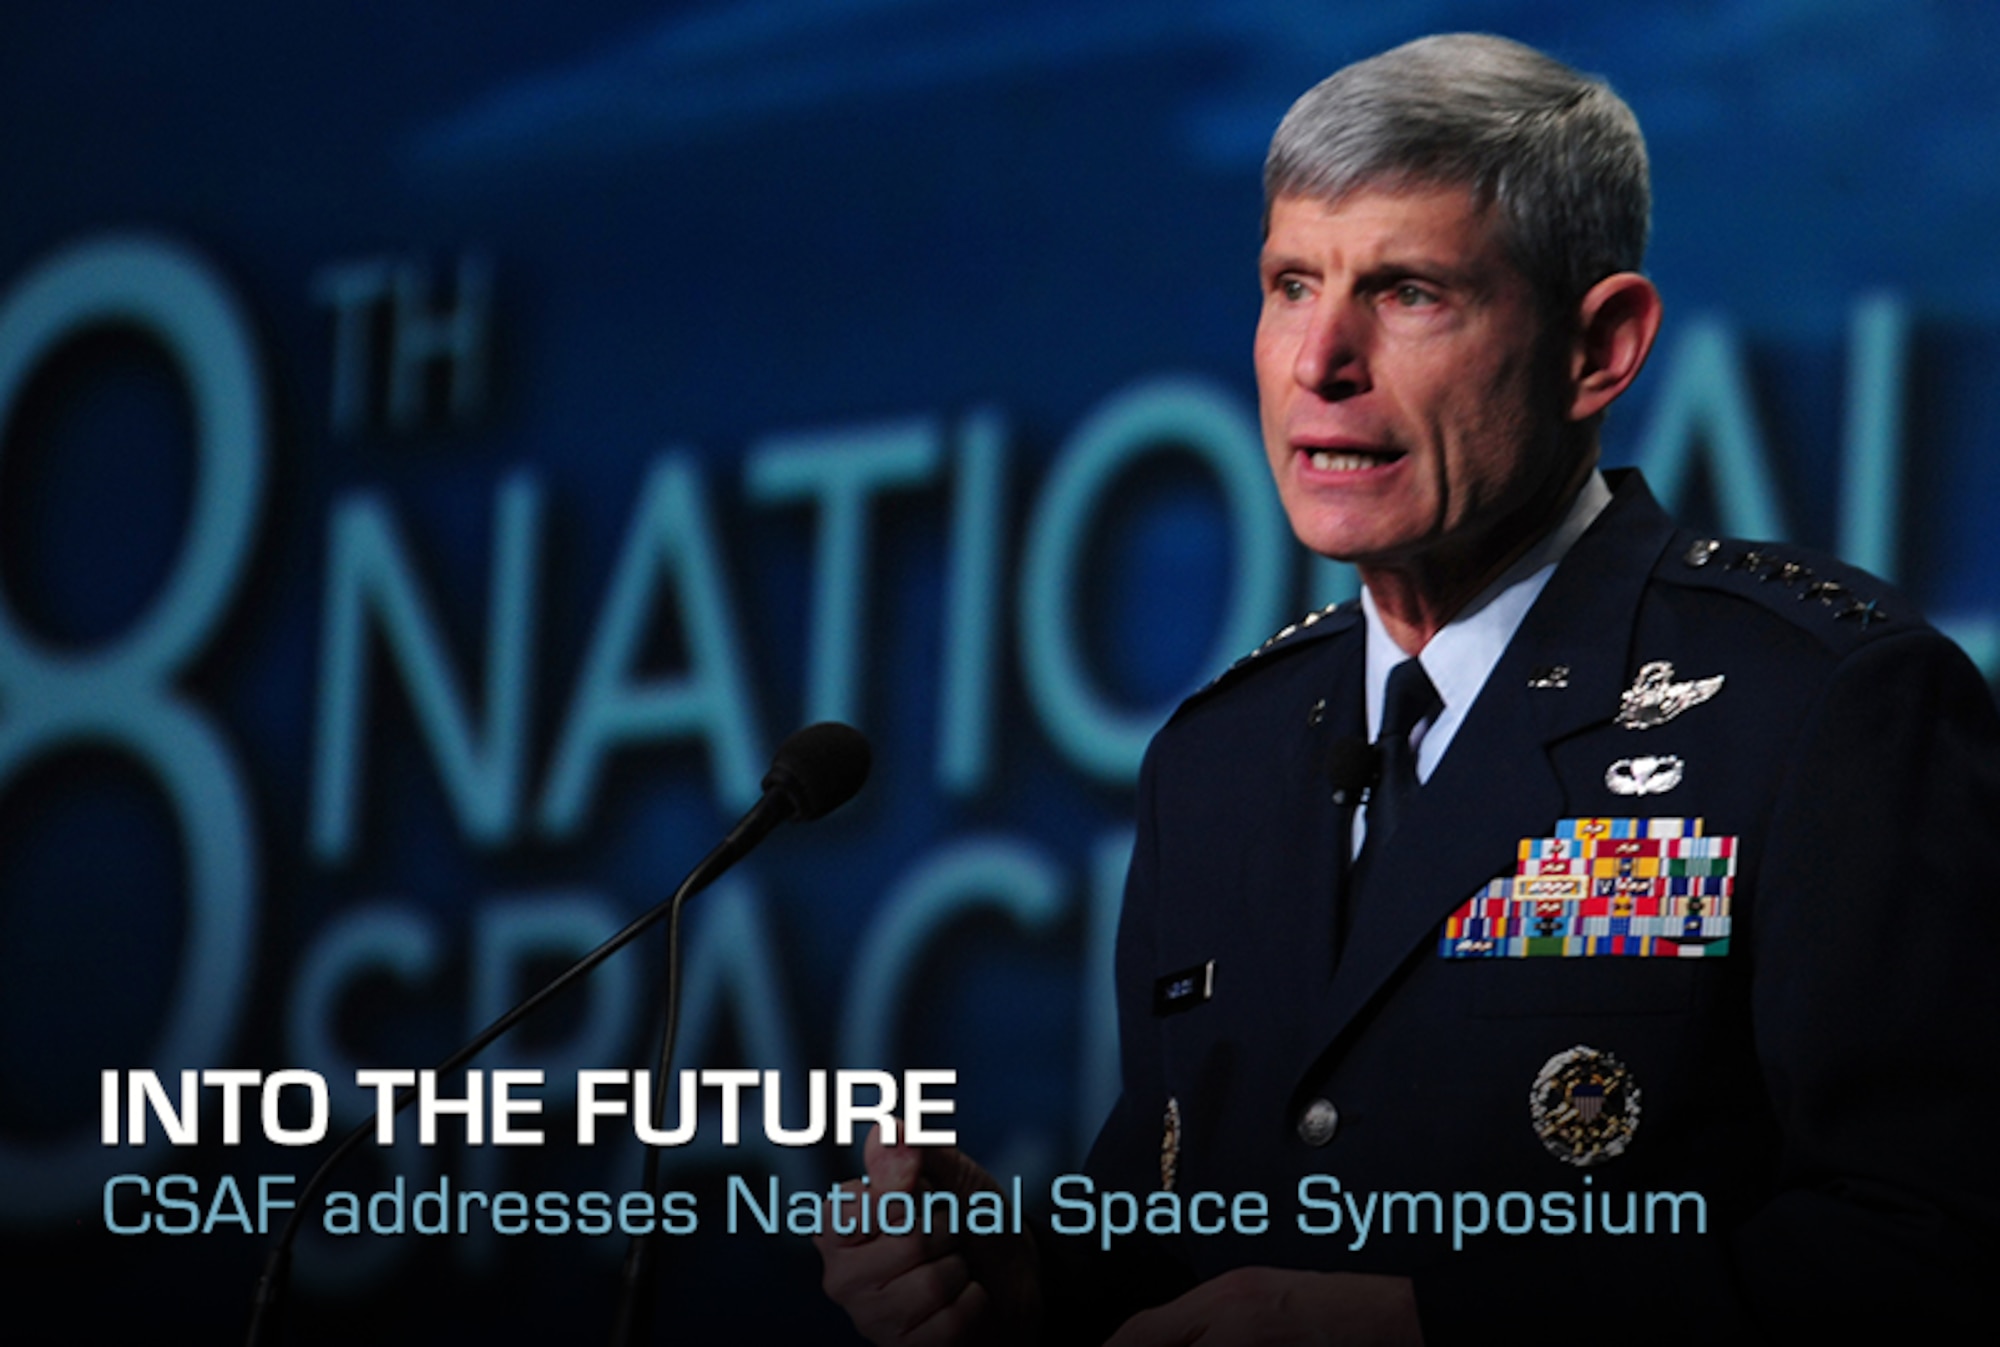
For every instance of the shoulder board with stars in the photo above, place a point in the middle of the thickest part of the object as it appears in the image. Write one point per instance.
(1292, 633)
(1814, 591)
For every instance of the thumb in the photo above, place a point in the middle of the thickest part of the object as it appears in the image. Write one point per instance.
(891, 1169)
(952, 1170)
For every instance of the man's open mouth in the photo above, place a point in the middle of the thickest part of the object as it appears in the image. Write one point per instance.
(1351, 460)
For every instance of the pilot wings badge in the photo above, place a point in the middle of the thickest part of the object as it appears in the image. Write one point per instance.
(1655, 698)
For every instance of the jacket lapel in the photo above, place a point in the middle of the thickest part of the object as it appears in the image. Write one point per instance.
(1302, 866)
(1495, 784)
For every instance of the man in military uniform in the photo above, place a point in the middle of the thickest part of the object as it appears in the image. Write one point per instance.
(1615, 897)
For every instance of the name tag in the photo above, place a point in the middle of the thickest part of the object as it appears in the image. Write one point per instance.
(1184, 990)
(1604, 888)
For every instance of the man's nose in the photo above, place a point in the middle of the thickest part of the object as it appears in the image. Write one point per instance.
(1332, 356)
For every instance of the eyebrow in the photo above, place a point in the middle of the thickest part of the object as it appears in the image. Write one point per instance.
(1269, 262)
(1428, 267)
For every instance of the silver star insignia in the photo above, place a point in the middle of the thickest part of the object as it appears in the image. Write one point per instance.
(1655, 698)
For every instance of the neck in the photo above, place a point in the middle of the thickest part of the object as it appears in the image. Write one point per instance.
(1416, 597)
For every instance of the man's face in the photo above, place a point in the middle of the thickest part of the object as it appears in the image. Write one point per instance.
(1412, 402)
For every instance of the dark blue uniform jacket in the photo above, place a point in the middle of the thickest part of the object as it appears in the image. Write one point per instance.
(1827, 1086)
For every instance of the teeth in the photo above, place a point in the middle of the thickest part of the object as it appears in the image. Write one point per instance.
(1328, 461)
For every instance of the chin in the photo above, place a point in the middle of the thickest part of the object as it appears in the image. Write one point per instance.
(1342, 540)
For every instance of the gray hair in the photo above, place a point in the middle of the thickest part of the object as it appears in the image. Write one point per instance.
(1557, 151)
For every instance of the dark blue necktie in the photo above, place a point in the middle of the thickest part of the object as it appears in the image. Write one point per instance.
(1408, 701)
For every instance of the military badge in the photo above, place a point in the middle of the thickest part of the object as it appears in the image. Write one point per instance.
(1584, 1106)
(1655, 698)
(1644, 776)
(1170, 1146)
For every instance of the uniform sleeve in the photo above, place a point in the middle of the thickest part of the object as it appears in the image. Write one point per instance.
(1876, 997)
(1119, 1158)
(1090, 1293)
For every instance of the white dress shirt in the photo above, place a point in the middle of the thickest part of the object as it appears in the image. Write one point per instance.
(1460, 657)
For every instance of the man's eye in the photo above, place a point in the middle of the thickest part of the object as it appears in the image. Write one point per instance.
(1291, 289)
(1410, 295)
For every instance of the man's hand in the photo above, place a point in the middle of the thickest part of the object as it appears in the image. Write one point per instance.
(934, 1290)
(1264, 1307)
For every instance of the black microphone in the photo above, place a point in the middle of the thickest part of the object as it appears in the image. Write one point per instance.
(814, 772)
(819, 769)
(1353, 765)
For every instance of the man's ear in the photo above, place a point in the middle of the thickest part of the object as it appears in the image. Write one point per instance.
(1617, 320)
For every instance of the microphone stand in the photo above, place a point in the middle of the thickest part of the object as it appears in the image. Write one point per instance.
(633, 1323)
(773, 808)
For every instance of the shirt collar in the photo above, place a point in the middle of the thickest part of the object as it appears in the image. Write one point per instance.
(1460, 657)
